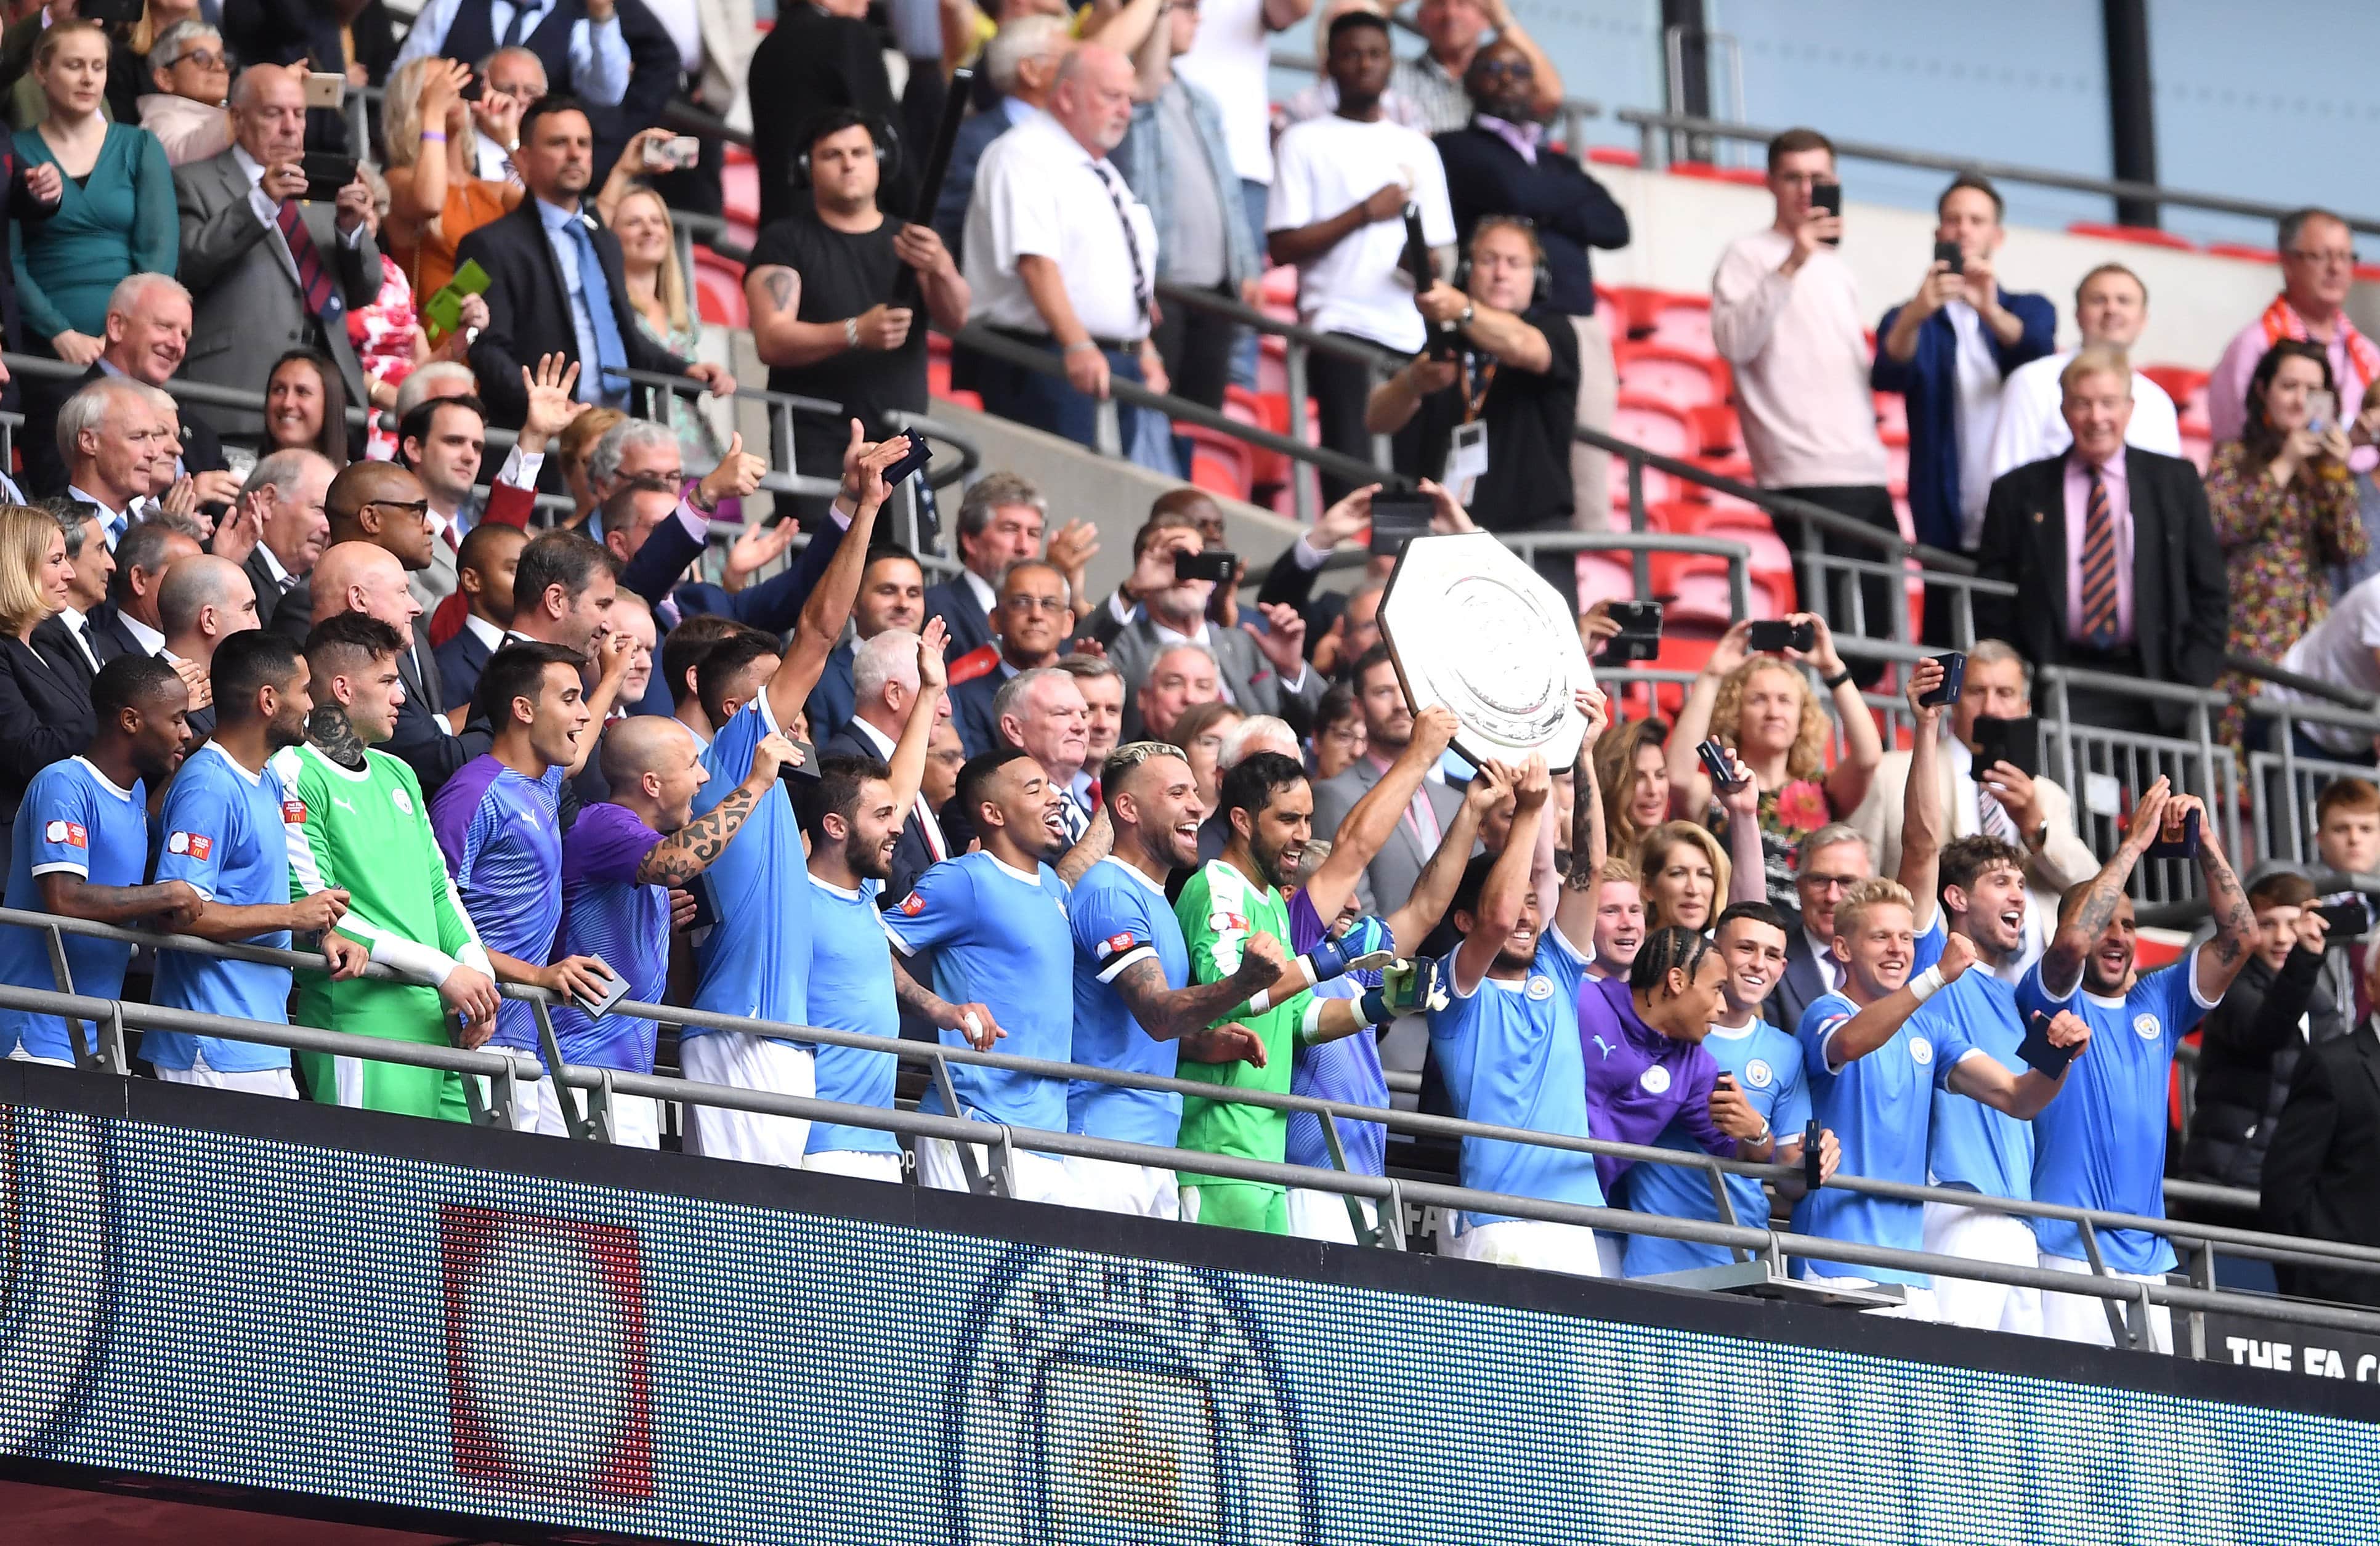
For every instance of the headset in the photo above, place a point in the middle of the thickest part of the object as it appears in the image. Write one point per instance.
(881, 136)
(1544, 280)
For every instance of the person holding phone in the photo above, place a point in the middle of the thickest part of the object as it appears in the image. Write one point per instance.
(1947, 350)
(1786, 313)
(2284, 507)
(436, 196)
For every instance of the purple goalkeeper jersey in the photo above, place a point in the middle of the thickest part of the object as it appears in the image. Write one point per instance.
(1347, 1069)
(1638, 1080)
(606, 914)
(502, 836)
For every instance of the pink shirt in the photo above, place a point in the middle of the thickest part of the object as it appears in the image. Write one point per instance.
(1801, 362)
(2078, 511)
(2227, 389)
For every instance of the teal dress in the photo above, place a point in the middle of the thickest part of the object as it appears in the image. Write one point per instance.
(120, 221)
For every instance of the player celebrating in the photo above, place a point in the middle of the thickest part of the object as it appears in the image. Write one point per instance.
(224, 838)
(1871, 1070)
(81, 849)
(620, 862)
(1760, 1066)
(1136, 1009)
(356, 821)
(498, 821)
(1227, 903)
(755, 960)
(2103, 1146)
(996, 921)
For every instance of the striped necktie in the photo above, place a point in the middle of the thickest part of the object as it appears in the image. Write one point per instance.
(314, 276)
(2099, 568)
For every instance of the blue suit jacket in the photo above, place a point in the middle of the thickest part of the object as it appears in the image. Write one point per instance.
(971, 711)
(774, 604)
(460, 661)
(832, 700)
(953, 602)
(1930, 382)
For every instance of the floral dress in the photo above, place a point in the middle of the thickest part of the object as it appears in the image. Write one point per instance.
(1788, 815)
(697, 443)
(2280, 546)
(382, 335)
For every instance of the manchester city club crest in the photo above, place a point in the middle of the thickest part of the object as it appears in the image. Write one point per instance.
(1107, 1402)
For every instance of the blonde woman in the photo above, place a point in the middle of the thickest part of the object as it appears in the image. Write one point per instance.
(1685, 876)
(1761, 707)
(433, 199)
(44, 707)
(574, 445)
(657, 294)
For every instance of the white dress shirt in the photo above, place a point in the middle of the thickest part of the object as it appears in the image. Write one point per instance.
(112, 521)
(598, 55)
(78, 629)
(151, 643)
(1829, 970)
(489, 161)
(1038, 194)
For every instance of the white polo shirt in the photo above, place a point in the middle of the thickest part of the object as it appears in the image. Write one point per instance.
(1038, 193)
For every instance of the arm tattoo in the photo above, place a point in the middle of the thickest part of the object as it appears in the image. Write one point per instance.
(1586, 840)
(912, 995)
(780, 284)
(334, 737)
(1167, 1014)
(693, 847)
(2235, 931)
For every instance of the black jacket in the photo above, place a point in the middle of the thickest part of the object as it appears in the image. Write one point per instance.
(529, 310)
(1572, 212)
(45, 717)
(953, 602)
(2180, 594)
(1804, 984)
(45, 470)
(2322, 1174)
(2250, 1049)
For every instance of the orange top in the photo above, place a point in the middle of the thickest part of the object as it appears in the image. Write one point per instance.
(428, 258)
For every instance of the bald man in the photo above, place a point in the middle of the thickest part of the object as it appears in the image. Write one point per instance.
(357, 576)
(205, 601)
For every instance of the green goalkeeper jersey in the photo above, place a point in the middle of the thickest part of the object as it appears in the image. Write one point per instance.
(1219, 910)
(368, 834)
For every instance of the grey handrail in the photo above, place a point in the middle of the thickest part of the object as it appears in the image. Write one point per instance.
(1334, 345)
(2298, 681)
(1573, 111)
(1656, 126)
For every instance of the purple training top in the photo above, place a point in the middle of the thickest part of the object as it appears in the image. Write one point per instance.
(1638, 1080)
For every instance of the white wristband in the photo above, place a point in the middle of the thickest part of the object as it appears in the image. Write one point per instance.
(1926, 983)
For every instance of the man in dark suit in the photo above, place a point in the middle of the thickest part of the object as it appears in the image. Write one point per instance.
(65, 639)
(285, 495)
(555, 280)
(483, 572)
(205, 601)
(2054, 530)
(1001, 522)
(2322, 1173)
(267, 271)
(892, 595)
(890, 689)
(148, 334)
(1033, 620)
(1834, 859)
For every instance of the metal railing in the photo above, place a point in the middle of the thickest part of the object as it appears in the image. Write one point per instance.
(2090, 760)
(1655, 129)
(1572, 114)
(583, 1095)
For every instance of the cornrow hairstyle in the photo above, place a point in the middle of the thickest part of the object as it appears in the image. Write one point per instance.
(1664, 951)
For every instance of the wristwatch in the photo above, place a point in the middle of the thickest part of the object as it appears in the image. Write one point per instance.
(1469, 312)
(2038, 838)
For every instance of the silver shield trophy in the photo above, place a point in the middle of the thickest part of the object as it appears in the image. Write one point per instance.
(1472, 628)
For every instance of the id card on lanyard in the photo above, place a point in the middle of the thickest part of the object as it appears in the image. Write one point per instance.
(1466, 451)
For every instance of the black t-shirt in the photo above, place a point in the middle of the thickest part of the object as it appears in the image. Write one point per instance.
(1526, 486)
(843, 275)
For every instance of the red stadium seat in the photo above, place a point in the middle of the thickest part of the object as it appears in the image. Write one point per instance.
(1747, 176)
(1640, 311)
(1682, 321)
(1604, 576)
(2144, 236)
(2242, 251)
(2197, 445)
(719, 290)
(1892, 413)
(1264, 411)
(1613, 155)
(1896, 458)
(1716, 427)
(1654, 424)
(1219, 463)
(1684, 379)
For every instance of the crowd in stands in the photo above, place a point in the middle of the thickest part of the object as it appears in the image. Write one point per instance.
(286, 672)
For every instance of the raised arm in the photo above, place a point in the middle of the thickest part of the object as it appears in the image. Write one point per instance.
(1434, 889)
(829, 606)
(2061, 964)
(1365, 829)
(1847, 782)
(2234, 921)
(1922, 815)
(1982, 1077)
(1747, 856)
(908, 762)
(1690, 790)
(1575, 911)
(1505, 895)
(695, 847)
(1874, 1026)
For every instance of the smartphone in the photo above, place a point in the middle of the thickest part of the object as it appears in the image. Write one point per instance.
(803, 769)
(2349, 917)
(1639, 637)
(1814, 1159)
(1399, 517)
(2016, 742)
(325, 175)
(669, 155)
(1218, 564)
(1828, 199)
(1770, 638)
(2039, 1052)
(615, 989)
(1717, 763)
(325, 88)
(1954, 676)
(2322, 410)
(912, 460)
(2178, 840)
(472, 88)
(1948, 252)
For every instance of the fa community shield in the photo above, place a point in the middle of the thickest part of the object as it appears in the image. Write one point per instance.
(1472, 628)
